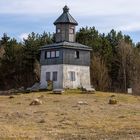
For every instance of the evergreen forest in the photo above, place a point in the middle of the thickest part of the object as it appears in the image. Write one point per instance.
(115, 60)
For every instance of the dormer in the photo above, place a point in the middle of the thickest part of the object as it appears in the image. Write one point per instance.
(65, 27)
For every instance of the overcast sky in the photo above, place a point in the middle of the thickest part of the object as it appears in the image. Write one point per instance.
(20, 17)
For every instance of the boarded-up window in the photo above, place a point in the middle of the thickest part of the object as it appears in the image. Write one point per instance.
(48, 76)
(55, 76)
(72, 76)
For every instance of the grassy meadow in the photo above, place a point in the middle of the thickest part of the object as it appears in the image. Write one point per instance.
(64, 117)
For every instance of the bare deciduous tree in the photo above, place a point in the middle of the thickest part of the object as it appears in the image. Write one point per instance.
(99, 74)
(125, 59)
(136, 72)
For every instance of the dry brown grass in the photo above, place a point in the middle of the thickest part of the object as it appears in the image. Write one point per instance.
(60, 117)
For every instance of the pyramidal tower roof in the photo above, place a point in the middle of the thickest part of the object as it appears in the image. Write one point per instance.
(66, 18)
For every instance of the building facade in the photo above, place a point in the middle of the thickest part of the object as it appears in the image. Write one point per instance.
(66, 63)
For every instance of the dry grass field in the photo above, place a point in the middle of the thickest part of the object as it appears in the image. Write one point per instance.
(70, 116)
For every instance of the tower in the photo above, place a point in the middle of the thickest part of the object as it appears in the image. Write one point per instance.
(66, 63)
(65, 27)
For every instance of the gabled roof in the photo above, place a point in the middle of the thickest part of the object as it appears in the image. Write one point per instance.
(65, 44)
(66, 18)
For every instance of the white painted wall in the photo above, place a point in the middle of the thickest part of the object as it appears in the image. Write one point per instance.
(51, 68)
(82, 76)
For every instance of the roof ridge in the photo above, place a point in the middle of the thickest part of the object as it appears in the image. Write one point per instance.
(70, 44)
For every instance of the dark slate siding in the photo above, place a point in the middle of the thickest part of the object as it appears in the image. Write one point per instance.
(69, 57)
(51, 61)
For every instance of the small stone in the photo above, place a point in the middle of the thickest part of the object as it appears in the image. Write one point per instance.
(36, 102)
(11, 97)
(42, 121)
(40, 97)
(112, 101)
(74, 106)
(56, 101)
(121, 117)
(58, 91)
(112, 96)
(82, 103)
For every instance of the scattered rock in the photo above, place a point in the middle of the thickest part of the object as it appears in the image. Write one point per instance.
(58, 91)
(11, 97)
(35, 87)
(62, 114)
(40, 97)
(21, 89)
(88, 88)
(82, 103)
(121, 117)
(112, 101)
(9, 92)
(39, 112)
(42, 121)
(74, 106)
(36, 102)
(56, 101)
(112, 96)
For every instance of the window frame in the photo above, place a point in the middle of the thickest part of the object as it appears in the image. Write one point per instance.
(57, 51)
(55, 55)
(77, 54)
(48, 73)
(46, 54)
(71, 30)
(54, 76)
(58, 30)
(72, 75)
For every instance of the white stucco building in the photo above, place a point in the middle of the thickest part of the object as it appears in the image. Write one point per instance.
(65, 63)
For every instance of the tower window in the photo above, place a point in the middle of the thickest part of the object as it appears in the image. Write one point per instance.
(71, 30)
(58, 30)
(77, 54)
